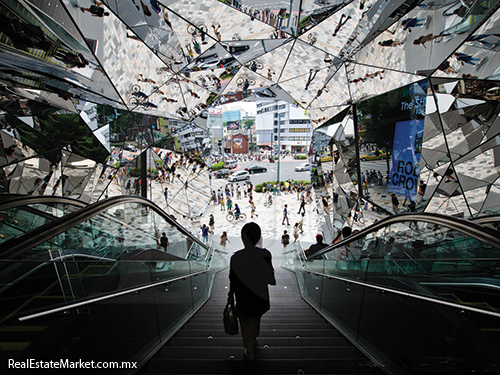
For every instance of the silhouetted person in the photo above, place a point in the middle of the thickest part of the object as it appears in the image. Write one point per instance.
(251, 270)
(163, 241)
(314, 248)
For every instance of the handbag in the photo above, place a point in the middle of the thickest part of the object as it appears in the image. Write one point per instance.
(230, 320)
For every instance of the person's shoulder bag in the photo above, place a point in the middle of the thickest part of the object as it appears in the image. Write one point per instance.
(229, 318)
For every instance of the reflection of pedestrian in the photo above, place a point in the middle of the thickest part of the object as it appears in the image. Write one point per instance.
(468, 59)
(96, 10)
(446, 67)
(378, 73)
(390, 43)
(413, 22)
(163, 241)
(421, 188)
(395, 203)
(217, 33)
(251, 270)
(448, 175)
(312, 75)
(343, 20)
(165, 18)
(425, 38)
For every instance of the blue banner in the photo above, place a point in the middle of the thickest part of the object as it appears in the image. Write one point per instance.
(406, 152)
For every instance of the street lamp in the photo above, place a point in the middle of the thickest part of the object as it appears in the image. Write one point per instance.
(280, 115)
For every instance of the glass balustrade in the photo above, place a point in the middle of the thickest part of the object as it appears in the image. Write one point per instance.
(94, 303)
(21, 218)
(417, 296)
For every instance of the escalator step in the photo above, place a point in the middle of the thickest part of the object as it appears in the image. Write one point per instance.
(241, 366)
(185, 332)
(236, 341)
(271, 353)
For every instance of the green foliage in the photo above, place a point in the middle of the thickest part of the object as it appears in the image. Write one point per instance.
(300, 157)
(260, 187)
(135, 172)
(378, 117)
(217, 166)
(248, 123)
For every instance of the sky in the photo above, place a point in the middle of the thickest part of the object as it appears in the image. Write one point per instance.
(246, 106)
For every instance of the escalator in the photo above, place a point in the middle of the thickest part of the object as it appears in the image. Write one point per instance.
(92, 285)
(419, 292)
(20, 214)
(412, 294)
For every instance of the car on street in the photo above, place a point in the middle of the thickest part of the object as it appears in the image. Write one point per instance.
(221, 173)
(374, 155)
(234, 48)
(231, 164)
(128, 147)
(256, 169)
(303, 167)
(239, 176)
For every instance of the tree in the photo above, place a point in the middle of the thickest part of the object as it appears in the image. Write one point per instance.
(377, 118)
(248, 123)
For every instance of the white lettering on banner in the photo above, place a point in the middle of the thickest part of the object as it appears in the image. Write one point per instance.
(419, 104)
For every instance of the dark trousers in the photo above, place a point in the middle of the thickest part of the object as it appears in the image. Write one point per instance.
(250, 330)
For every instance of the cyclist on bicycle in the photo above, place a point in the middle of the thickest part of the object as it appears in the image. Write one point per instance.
(237, 211)
(140, 95)
(269, 198)
(253, 66)
(246, 85)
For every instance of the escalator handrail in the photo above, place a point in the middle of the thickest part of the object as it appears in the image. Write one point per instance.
(488, 219)
(24, 200)
(107, 296)
(26, 241)
(474, 230)
(122, 292)
(301, 256)
(400, 292)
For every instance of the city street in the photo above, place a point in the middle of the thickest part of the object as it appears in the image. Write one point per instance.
(287, 167)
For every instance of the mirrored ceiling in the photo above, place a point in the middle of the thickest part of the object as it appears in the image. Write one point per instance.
(80, 78)
(174, 59)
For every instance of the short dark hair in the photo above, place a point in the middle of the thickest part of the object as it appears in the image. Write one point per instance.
(251, 232)
(346, 231)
